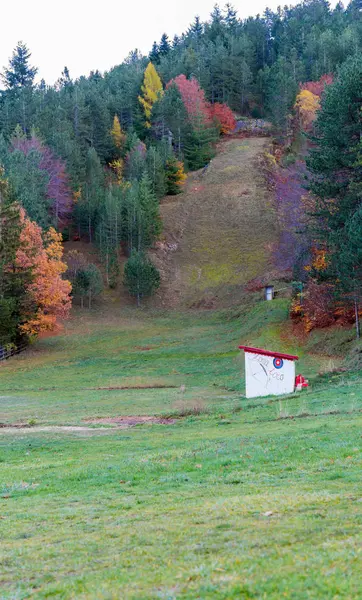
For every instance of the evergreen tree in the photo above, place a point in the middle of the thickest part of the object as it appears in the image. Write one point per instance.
(19, 73)
(231, 19)
(12, 282)
(164, 47)
(335, 164)
(110, 231)
(154, 55)
(156, 172)
(141, 277)
(196, 29)
(175, 176)
(92, 195)
(88, 283)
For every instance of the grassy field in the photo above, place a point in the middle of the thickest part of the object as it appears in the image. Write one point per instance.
(227, 498)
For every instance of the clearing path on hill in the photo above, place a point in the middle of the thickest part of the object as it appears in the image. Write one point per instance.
(220, 231)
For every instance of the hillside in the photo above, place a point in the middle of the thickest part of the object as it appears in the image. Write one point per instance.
(219, 231)
(128, 435)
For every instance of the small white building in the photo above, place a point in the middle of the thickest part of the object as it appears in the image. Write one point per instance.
(268, 373)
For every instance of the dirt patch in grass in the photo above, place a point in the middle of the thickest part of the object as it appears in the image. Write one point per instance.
(122, 422)
(25, 428)
(130, 421)
(136, 387)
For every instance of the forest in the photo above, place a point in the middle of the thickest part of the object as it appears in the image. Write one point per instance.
(91, 158)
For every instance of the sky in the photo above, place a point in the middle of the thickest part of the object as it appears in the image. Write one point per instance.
(86, 35)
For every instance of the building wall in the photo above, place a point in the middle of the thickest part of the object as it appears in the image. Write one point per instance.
(268, 376)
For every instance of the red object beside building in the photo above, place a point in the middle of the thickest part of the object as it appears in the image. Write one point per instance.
(300, 383)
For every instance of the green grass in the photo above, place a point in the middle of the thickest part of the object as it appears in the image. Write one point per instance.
(249, 499)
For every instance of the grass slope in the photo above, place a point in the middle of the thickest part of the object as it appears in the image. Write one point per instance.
(219, 230)
(240, 501)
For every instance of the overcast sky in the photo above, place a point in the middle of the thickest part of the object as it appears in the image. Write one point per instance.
(87, 35)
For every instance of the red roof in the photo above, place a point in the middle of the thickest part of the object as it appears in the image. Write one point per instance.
(268, 353)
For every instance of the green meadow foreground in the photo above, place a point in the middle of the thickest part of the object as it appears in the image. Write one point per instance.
(217, 497)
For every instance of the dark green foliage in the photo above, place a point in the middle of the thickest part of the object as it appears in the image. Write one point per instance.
(156, 171)
(141, 277)
(29, 184)
(172, 177)
(89, 205)
(336, 180)
(154, 55)
(88, 283)
(165, 46)
(19, 73)
(198, 150)
(12, 282)
(142, 220)
(111, 231)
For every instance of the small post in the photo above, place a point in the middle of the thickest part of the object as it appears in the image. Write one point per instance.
(269, 292)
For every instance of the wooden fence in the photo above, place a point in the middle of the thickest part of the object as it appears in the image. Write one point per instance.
(6, 353)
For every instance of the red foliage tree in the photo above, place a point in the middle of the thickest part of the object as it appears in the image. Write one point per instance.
(193, 97)
(223, 116)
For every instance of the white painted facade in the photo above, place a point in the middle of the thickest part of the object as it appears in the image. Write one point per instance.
(268, 375)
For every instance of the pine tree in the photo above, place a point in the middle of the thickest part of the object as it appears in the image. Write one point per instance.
(110, 231)
(19, 73)
(196, 29)
(92, 195)
(175, 176)
(156, 172)
(141, 277)
(164, 47)
(231, 19)
(154, 55)
(152, 91)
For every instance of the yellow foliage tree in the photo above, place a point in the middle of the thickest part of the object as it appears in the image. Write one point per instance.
(152, 91)
(306, 106)
(117, 134)
(117, 166)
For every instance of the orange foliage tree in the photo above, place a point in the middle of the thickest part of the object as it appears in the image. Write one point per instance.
(48, 295)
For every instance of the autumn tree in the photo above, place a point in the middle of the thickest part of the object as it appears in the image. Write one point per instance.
(223, 116)
(117, 134)
(306, 106)
(48, 295)
(152, 91)
(193, 98)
